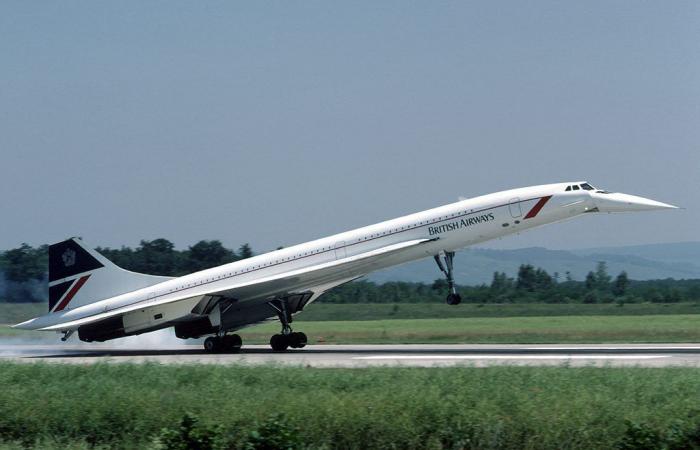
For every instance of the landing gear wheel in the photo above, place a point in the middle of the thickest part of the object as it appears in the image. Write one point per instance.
(287, 338)
(212, 344)
(454, 299)
(297, 340)
(231, 343)
(279, 342)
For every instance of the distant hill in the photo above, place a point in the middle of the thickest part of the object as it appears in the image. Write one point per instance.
(642, 262)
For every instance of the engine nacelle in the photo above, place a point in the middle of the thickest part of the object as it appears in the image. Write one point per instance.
(102, 331)
(195, 328)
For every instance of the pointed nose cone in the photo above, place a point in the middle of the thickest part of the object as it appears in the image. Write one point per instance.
(617, 202)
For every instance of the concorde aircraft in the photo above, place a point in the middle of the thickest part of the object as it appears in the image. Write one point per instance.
(101, 301)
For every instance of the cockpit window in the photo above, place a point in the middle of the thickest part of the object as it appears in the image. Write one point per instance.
(576, 187)
(587, 187)
(568, 188)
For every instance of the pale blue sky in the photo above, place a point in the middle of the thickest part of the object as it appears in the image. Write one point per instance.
(280, 122)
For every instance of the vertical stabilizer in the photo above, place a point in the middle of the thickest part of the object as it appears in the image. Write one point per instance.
(78, 275)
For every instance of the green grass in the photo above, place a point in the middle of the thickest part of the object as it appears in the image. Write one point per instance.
(466, 323)
(11, 313)
(523, 330)
(6, 331)
(128, 406)
(376, 311)
(514, 330)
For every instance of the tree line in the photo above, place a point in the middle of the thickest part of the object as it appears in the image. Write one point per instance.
(25, 279)
(25, 267)
(531, 285)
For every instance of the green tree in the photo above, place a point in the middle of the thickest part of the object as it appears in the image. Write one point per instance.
(527, 278)
(500, 283)
(543, 281)
(123, 257)
(619, 287)
(602, 278)
(25, 270)
(207, 254)
(590, 282)
(591, 297)
(244, 251)
(25, 263)
(158, 257)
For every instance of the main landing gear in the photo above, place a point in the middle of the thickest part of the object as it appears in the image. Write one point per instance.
(227, 343)
(453, 298)
(281, 342)
(287, 338)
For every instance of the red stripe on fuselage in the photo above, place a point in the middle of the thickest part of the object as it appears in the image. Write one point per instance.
(538, 206)
(74, 290)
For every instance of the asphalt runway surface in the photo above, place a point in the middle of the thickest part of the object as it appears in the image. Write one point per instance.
(440, 355)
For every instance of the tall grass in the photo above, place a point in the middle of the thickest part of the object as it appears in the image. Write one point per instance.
(498, 407)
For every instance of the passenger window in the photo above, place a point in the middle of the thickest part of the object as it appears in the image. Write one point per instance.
(575, 188)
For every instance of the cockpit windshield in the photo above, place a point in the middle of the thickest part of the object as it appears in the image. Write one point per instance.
(584, 186)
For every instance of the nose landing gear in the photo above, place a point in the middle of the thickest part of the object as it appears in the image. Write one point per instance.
(453, 298)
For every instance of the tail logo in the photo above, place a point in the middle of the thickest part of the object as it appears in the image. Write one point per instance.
(74, 290)
(68, 257)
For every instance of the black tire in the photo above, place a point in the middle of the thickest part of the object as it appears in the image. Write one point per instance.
(297, 340)
(279, 343)
(292, 340)
(232, 343)
(454, 299)
(212, 344)
(301, 340)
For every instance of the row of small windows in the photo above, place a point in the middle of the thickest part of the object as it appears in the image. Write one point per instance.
(322, 250)
(407, 227)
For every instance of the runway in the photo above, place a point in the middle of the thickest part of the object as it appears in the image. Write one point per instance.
(646, 355)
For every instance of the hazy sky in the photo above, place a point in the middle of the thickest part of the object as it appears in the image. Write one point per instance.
(279, 122)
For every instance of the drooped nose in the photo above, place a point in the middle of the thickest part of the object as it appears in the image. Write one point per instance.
(618, 202)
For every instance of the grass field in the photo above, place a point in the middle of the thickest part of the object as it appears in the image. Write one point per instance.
(11, 313)
(369, 311)
(131, 406)
(515, 330)
(523, 329)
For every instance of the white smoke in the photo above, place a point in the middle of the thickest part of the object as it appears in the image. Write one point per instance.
(45, 343)
(164, 339)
